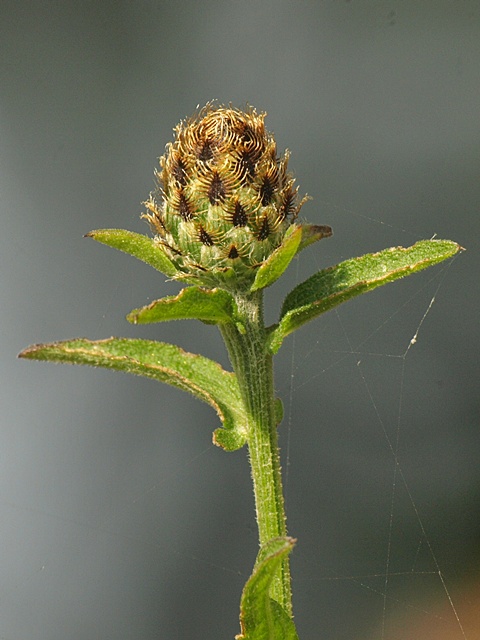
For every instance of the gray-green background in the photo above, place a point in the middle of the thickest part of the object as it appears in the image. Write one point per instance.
(118, 518)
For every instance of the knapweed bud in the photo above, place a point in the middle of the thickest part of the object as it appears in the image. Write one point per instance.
(225, 199)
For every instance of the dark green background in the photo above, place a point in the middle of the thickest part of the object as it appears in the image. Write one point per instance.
(118, 517)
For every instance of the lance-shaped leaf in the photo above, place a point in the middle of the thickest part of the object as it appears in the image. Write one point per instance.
(137, 245)
(296, 239)
(262, 618)
(330, 287)
(210, 305)
(278, 261)
(202, 377)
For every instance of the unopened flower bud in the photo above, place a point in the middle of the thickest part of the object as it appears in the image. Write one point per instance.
(225, 199)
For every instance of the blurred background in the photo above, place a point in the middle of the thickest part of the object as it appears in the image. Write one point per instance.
(119, 518)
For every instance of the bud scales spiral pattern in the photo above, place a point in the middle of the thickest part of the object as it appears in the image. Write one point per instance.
(225, 198)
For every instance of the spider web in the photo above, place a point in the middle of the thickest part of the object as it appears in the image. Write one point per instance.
(409, 580)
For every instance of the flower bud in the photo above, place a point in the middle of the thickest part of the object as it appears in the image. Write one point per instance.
(225, 198)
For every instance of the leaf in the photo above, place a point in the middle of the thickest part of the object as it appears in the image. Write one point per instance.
(278, 261)
(164, 362)
(261, 617)
(137, 245)
(210, 305)
(330, 287)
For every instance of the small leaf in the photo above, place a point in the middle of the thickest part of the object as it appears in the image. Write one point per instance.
(229, 439)
(278, 261)
(137, 245)
(261, 617)
(164, 362)
(330, 287)
(210, 305)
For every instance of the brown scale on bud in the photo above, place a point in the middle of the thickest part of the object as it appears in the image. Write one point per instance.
(217, 189)
(205, 238)
(264, 229)
(179, 173)
(269, 184)
(205, 151)
(184, 207)
(288, 204)
(237, 216)
(225, 200)
(233, 252)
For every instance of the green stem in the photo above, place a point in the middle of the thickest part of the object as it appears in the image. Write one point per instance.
(246, 344)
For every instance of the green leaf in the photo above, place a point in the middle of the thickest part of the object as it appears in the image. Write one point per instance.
(137, 245)
(330, 287)
(278, 261)
(164, 362)
(262, 618)
(210, 305)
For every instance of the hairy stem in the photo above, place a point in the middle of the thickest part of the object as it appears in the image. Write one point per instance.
(246, 344)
